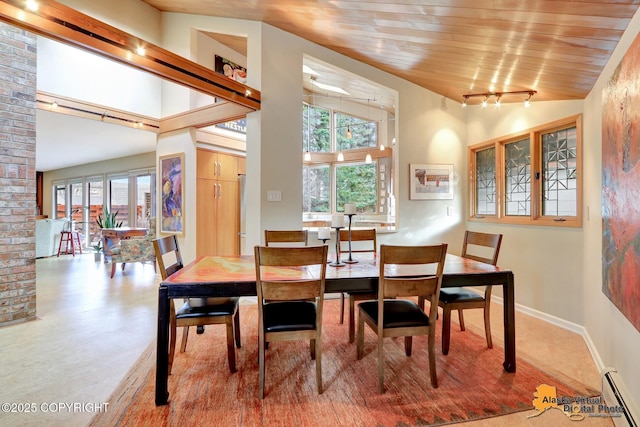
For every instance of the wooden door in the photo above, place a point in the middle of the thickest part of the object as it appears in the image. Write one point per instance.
(228, 218)
(206, 213)
(206, 164)
(227, 167)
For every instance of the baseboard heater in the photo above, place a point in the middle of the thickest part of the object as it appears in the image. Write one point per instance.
(615, 393)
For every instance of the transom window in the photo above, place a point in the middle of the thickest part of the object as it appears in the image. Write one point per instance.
(530, 178)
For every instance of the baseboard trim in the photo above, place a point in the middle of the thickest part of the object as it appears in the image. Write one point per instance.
(561, 323)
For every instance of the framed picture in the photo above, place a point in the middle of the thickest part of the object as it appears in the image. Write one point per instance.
(239, 74)
(172, 188)
(431, 181)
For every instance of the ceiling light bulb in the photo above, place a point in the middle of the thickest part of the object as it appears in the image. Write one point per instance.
(247, 92)
(340, 157)
(349, 133)
(498, 102)
(381, 147)
(367, 159)
(307, 156)
(54, 104)
(484, 103)
(32, 5)
(527, 102)
(140, 51)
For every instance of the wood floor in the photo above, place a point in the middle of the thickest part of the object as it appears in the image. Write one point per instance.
(91, 329)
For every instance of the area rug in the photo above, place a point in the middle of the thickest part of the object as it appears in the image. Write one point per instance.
(472, 383)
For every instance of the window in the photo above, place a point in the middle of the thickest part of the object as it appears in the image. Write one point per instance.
(60, 200)
(357, 183)
(119, 198)
(328, 181)
(530, 178)
(316, 189)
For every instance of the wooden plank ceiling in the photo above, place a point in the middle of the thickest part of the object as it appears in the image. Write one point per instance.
(453, 47)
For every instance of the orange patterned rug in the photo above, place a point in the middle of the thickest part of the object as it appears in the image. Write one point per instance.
(472, 383)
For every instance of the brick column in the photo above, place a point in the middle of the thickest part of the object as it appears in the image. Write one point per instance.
(17, 175)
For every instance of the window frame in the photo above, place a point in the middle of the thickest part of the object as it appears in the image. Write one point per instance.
(351, 157)
(536, 216)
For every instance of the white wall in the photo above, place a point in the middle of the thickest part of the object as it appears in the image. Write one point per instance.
(545, 260)
(131, 16)
(84, 76)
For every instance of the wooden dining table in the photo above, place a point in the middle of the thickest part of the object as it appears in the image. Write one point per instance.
(226, 276)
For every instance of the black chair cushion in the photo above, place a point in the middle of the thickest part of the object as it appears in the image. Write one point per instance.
(289, 316)
(398, 313)
(225, 309)
(459, 295)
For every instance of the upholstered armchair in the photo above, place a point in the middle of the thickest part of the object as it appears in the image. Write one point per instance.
(135, 249)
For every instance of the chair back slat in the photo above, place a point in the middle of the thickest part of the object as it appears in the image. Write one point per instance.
(286, 236)
(361, 240)
(427, 284)
(482, 247)
(164, 246)
(425, 287)
(302, 283)
(291, 290)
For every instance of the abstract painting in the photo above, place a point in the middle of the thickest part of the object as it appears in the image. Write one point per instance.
(171, 185)
(621, 186)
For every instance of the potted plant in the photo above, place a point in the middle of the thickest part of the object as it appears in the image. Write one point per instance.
(108, 219)
(98, 248)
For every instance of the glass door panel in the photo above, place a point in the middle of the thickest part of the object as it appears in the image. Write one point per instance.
(119, 198)
(95, 201)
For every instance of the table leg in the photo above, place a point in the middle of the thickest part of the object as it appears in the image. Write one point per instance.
(509, 325)
(162, 352)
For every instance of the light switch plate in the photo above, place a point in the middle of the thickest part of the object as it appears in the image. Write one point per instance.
(449, 210)
(274, 196)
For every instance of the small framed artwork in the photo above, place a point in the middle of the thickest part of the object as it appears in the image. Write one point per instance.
(431, 181)
(172, 188)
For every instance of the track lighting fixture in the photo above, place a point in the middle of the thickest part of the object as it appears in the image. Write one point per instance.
(498, 95)
(527, 102)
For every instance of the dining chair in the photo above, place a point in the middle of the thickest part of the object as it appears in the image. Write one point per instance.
(483, 247)
(290, 308)
(365, 241)
(405, 271)
(211, 311)
(136, 249)
(286, 237)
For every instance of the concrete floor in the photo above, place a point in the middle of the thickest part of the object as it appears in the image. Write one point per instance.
(91, 329)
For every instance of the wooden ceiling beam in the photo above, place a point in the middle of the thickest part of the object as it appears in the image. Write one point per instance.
(64, 24)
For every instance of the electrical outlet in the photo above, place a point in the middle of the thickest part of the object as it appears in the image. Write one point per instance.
(449, 210)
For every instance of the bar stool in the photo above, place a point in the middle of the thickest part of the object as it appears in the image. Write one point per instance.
(71, 241)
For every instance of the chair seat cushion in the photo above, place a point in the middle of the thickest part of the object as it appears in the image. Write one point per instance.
(289, 316)
(226, 309)
(398, 313)
(459, 295)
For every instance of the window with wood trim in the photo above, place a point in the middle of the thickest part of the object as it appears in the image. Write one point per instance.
(533, 177)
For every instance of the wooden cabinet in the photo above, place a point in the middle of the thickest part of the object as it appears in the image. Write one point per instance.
(217, 204)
